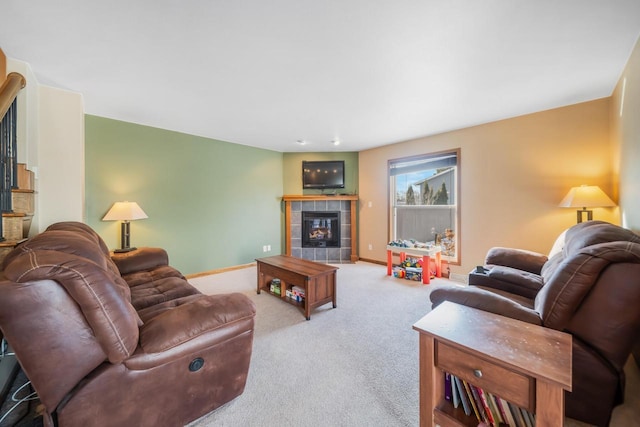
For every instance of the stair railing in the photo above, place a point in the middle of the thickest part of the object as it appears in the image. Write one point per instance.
(8, 140)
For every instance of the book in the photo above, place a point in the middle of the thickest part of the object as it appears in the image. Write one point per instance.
(517, 415)
(527, 418)
(474, 406)
(493, 406)
(488, 416)
(447, 386)
(504, 410)
(507, 412)
(466, 405)
(455, 393)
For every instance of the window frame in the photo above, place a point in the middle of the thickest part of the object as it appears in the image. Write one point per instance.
(426, 158)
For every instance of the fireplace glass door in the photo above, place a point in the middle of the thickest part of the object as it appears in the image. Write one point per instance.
(320, 229)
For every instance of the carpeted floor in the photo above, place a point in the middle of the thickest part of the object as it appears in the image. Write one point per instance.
(355, 365)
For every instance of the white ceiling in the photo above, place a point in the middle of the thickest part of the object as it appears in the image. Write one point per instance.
(365, 72)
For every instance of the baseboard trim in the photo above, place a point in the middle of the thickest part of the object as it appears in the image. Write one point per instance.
(372, 261)
(220, 270)
(252, 264)
(460, 278)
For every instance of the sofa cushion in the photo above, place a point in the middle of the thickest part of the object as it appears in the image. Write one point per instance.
(148, 313)
(205, 314)
(157, 286)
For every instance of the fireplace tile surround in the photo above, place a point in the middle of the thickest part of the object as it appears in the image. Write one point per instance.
(346, 205)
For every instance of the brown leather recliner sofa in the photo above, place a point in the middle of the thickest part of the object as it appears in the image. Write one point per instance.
(589, 287)
(126, 343)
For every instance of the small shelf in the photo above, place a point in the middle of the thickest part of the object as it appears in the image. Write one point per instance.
(294, 302)
(447, 416)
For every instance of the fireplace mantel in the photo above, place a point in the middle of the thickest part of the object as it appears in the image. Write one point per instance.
(288, 199)
(305, 197)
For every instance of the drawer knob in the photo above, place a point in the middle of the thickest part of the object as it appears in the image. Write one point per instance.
(477, 373)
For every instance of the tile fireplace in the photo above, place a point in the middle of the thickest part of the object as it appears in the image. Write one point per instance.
(330, 231)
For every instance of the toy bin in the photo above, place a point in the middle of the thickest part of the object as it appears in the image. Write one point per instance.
(413, 273)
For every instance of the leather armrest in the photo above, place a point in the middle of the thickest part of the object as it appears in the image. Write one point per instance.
(199, 323)
(484, 300)
(516, 258)
(518, 282)
(140, 259)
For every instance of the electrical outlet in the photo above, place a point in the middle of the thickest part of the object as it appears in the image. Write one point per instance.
(370, 247)
(264, 248)
(268, 248)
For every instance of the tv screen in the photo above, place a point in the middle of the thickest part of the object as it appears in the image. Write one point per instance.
(323, 174)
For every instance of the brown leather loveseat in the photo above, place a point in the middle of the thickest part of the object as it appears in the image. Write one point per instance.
(130, 343)
(589, 287)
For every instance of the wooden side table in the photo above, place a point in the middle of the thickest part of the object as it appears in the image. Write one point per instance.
(525, 364)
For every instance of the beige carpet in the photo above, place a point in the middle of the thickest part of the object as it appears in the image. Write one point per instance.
(356, 365)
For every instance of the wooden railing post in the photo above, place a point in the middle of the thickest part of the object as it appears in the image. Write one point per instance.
(9, 91)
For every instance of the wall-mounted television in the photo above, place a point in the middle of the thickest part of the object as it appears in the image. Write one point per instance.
(323, 174)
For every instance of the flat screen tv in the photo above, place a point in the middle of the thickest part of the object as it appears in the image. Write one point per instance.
(323, 174)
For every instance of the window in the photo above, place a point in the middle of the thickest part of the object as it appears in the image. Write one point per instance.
(424, 200)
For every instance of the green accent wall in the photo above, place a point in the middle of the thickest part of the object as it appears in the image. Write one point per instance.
(211, 204)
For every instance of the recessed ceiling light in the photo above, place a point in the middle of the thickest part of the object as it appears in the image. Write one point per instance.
(336, 142)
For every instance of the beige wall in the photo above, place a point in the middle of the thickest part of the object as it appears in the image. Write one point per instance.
(625, 126)
(51, 143)
(514, 174)
(61, 156)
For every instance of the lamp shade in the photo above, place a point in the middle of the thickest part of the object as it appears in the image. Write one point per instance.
(586, 196)
(125, 211)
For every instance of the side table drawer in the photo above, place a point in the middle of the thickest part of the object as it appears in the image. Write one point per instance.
(514, 387)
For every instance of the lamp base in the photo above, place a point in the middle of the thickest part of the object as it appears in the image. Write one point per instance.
(583, 211)
(123, 250)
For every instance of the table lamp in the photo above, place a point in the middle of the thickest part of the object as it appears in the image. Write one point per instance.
(586, 196)
(125, 212)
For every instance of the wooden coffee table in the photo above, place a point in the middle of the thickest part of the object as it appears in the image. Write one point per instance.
(318, 280)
